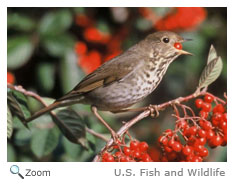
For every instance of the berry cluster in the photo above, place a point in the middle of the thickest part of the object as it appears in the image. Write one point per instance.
(183, 18)
(214, 121)
(99, 44)
(136, 152)
(210, 127)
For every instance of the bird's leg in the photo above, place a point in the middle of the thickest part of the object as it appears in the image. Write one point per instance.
(113, 133)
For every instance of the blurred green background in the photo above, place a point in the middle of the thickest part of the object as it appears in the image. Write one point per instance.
(51, 49)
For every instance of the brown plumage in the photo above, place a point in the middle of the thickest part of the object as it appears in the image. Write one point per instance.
(127, 78)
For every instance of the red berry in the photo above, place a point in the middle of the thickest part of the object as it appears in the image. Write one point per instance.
(210, 134)
(201, 133)
(225, 117)
(206, 107)
(203, 114)
(214, 122)
(163, 140)
(182, 124)
(169, 132)
(80, 48)
(219, 108)
(177, 146)
(217, 116)
(191, 140)
(178, 46)
(198, 147)
(146, 158)
(203, 152)
(196, 159)
(171, 142)
(201, 141)
(193, 130)
(187, 150)
(215, 141)
(110, 158)
(143, 146)
(190, 157)
(223, 126)
(208, 98)
(167, 149)
(127, 151)
(136, 154)
(198, 103)
(123, 159)
(172, 156)
(164, 159)
(134, 145)
(206, 125)
(105, 155)
(118, 154)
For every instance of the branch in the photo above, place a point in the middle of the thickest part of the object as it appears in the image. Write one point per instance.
(101, 136)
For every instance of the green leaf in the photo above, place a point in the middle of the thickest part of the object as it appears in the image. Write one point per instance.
(161, 11)
(21, 100)
(212, 54)
(20, 22)
(71, 149)
(71, 74)
(211, 72)
(56, 22)
(46, 76)
(9, 123)
(22, 136)
(79, 10)
(58, 45)
(143, 24)
(72, 126)
(14, 106)
(11, 155)
(91, 141)
(19, 50)
(44, 141)
(24, 158)
(17, 123)
(103, 26)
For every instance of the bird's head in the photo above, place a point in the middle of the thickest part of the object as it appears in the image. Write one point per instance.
(167, 43)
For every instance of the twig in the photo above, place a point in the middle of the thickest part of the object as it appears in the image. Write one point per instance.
(98, 135)
(27, 93)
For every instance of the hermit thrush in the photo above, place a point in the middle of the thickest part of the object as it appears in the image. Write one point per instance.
(127, 78)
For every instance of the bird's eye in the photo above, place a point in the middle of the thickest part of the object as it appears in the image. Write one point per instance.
(165, 40)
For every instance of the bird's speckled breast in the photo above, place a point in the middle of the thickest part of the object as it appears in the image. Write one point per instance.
(132, 88)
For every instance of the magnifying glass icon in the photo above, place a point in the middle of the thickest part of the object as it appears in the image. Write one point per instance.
(16, 170)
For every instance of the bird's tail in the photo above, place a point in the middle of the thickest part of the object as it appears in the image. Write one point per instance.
(68, 99)
(43, 111)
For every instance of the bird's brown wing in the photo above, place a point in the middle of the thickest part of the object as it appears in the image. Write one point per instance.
(111, 71)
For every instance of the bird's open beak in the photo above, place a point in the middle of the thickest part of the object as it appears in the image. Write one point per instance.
(185, 52)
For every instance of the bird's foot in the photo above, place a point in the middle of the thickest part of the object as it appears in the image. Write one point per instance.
(115, 137)
(153, 111)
